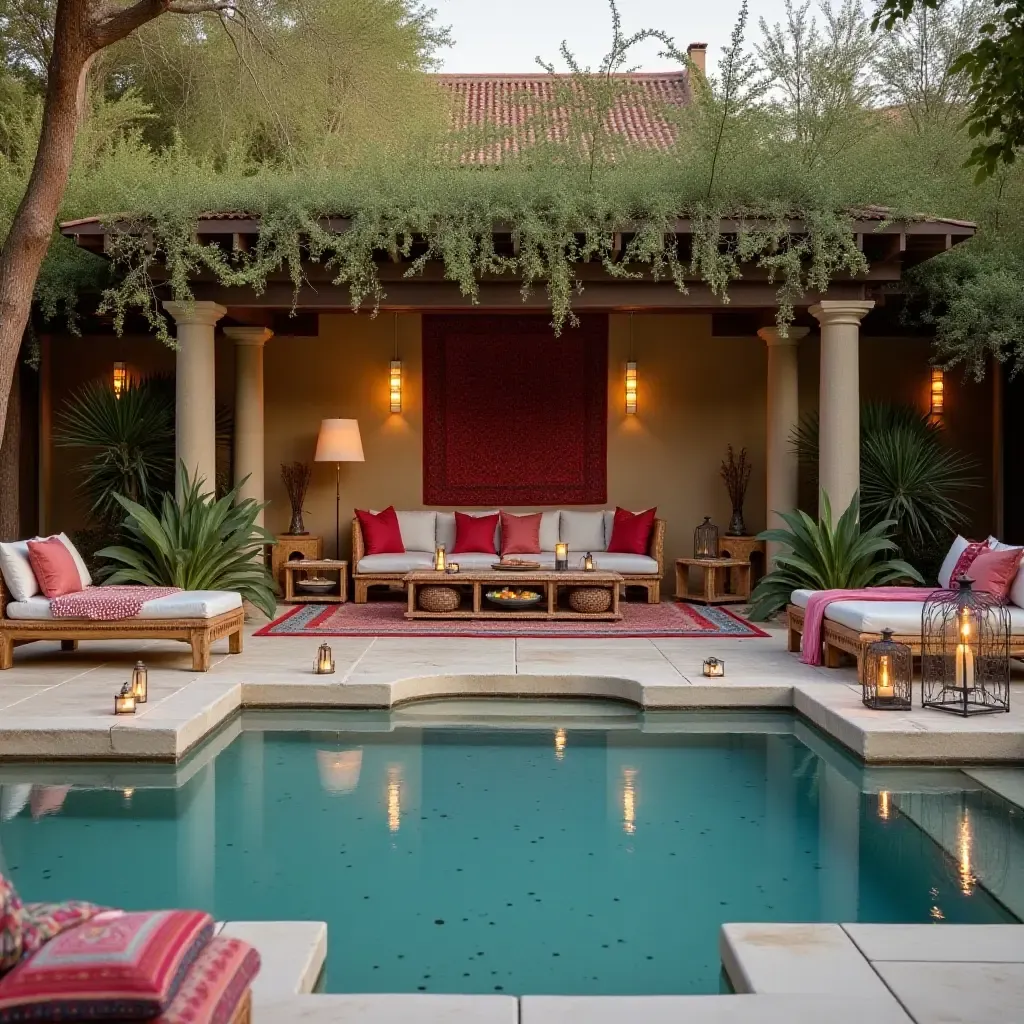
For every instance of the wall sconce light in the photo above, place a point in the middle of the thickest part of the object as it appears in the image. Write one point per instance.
(938, 391)
(631, 375)
(120, 378)
(395, 379)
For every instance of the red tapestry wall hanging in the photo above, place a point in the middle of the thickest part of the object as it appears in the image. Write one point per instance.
(513, 415)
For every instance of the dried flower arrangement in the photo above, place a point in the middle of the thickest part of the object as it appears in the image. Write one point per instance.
(736, 474)
(296, 476)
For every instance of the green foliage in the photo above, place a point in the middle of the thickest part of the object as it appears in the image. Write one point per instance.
(197, 543)
(820, 556)
(908, 475)
(128, 442)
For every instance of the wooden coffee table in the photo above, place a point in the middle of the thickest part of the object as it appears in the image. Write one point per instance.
(548, 581)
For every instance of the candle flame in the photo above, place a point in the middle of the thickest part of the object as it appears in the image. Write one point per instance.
(559, 744)
(628, 801)
(394, 797)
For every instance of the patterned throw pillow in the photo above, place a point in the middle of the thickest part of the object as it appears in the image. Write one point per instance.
(216, 986)
(966, 560)
(117, 966)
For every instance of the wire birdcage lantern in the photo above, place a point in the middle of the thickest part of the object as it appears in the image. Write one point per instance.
(965, 651)
(705, 540)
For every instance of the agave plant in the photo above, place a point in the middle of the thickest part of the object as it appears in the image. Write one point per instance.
(821, 556)
(196, 543)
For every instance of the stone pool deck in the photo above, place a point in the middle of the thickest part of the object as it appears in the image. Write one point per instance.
(57, 704)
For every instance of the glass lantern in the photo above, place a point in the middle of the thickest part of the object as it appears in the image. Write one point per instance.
(714, 667)
(965, 651)
(587, 563)
(140, 682)
(561, 556)
(324, 665)
(124, 701)
(888, 675)
(705, 540)
(440, 559)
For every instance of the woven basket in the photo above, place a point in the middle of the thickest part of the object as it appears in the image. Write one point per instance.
(438, 599)
(590, 600)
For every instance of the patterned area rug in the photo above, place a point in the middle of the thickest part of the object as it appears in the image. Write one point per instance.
(386, 618)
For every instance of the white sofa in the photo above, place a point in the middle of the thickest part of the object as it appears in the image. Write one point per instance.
(422, 531)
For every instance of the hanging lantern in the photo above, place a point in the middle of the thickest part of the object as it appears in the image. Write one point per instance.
(120, 378)
(440, 560)
(714, 667)
(705, 540)
(561, 556)
(124, 702)
(140, 682)
(888, 675)
(938, 391)
(965, 651)
(324, 664)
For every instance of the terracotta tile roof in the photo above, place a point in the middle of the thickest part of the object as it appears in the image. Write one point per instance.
(507, 109)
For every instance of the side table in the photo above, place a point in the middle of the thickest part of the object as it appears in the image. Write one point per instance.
(715, 571)
(288, 547)
(316, 566)
(745, 548)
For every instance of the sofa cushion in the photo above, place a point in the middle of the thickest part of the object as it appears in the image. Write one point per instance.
(520, 535)
(481, 560)
(631, 532)
(993, 572)
(446, 527)
(418, 530)
(17, 570)
(53, 566)
(83, 569)
(405, 562)
(582, 531)
(186, 604)
(217, 984)
(549, 523)
(475, 534)
(613, 561)
(949, 563)
(381, 533)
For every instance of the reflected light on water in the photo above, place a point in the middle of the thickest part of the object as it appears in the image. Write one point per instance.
(394, 797)
(883, 805)
(128, 793)
(964, 844)
(559, 744)
(628, 801)
(339, 769)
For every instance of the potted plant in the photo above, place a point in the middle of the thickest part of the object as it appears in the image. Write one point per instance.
(736, 474)
(296, 482)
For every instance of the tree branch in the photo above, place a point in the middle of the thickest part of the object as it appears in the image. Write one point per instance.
(111, 25)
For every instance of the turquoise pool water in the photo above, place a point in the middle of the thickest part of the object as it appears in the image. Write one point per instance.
(516, 848)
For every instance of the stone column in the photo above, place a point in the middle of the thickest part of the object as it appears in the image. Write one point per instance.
(195, 402)
(783, 412)
(839, 399)
(249, 342)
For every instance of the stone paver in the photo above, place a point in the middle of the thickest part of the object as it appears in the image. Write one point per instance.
(387, 1009)
(950, 943)
(957, 993)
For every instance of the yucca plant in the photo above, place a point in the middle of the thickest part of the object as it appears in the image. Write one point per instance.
(821, 556)
(197, 543)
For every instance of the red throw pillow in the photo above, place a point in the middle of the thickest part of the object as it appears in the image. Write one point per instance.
(520, 535)
(381, 535)
(993, 571)
(474, 534)
(631, 532)
(966, 560)
(54, 567)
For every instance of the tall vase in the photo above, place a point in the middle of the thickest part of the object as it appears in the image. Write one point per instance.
(737, 528)
(297, 527)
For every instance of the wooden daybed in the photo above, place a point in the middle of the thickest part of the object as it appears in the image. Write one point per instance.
(198, 633)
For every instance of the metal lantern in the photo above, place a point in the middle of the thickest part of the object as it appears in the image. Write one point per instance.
(965, 651)
(588, 562)
(561, 556)
(714, 667)
(124, 702)
(451, 568)
(888, 675)
(140, 682)
(705, 540)
(440, 559)
(324, 665)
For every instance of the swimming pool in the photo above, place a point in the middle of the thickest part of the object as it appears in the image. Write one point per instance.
(517, 847)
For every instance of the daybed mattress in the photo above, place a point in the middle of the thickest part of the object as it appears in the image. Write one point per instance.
(902, 617)
(189, 604)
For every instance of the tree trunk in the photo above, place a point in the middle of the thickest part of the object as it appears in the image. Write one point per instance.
(32, 228)
(10, 465)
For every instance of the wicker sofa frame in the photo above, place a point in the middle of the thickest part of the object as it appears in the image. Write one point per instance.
(838, 640)
(199, 634)
(362, 581)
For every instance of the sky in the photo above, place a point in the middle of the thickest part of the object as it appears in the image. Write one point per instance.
(493, 36)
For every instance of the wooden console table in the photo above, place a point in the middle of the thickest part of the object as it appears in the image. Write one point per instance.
(715, 570)
(548, 581)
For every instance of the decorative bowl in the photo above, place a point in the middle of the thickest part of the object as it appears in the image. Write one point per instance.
(316, 585)
(519, 566)
(509, 598)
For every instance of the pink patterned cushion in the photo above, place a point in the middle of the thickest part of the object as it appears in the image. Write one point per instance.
(117, 966)
(215, 985)
(966, 560)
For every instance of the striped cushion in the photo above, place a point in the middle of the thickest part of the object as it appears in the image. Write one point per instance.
(117, 966)
(215, 986)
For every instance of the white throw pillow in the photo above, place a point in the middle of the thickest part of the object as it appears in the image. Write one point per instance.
(998, 545)
(582, 531)
(83, 569)
(959, 546)
(549, 530)
(418, 529)
(18, 575)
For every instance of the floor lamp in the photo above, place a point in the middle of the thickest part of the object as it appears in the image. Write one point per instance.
(338, 442)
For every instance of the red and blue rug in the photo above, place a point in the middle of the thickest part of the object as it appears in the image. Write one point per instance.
(386, 618)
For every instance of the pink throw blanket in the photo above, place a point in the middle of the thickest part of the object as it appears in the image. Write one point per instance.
(821, 599)
(106, 604)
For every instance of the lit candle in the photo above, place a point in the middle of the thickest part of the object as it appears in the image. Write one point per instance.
(124, 702)
(561, 556)
(324, 665)
(440, 561)
(885, 689)
(964, 668)
(140, 683)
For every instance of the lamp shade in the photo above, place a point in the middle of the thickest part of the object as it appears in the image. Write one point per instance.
(339, 441)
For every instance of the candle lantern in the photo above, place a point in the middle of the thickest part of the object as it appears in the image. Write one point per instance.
(705, 540)
(324, 665)
(124, 702)
(714, 667)
(140, 683)
(965, 651)
(588, 562)
(440, 559)
(888, 675)
(561, 556)
(451, 568)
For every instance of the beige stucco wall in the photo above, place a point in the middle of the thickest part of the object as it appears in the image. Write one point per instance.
(696, 394)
